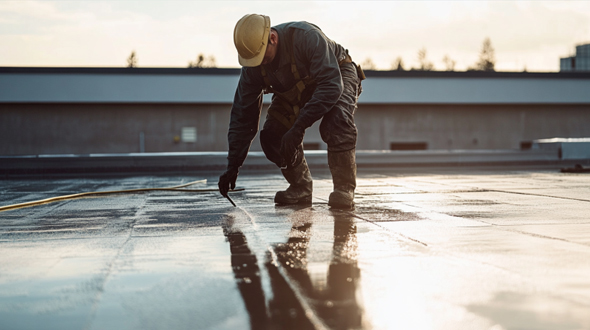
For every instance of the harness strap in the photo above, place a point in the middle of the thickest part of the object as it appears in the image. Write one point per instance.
(267, 87)
(301, 87)
(293, 64)
(282, 118)
(296, 111)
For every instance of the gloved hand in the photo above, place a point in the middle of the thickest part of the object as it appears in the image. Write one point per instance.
(228, 180)
(290, 142)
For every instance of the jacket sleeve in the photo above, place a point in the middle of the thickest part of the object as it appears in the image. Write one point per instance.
(315, 48)
(245, 115)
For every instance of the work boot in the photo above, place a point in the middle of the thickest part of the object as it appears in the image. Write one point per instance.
(300, 185)
(343, 168)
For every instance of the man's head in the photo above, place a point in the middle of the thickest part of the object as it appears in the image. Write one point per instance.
(255, 41)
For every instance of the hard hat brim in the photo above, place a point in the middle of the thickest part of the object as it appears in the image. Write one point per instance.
(257, 60)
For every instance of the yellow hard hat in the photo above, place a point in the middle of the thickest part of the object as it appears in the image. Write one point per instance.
(251, 38)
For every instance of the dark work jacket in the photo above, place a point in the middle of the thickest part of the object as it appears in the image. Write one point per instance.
(315, 55)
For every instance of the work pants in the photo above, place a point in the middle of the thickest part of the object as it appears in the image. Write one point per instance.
(337, 127)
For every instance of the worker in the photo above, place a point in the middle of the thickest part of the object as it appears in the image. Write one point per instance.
(311, 77)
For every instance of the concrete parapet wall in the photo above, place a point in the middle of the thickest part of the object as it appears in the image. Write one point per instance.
(476, 126)
(33, 129)
(118, 110)
(192, 161)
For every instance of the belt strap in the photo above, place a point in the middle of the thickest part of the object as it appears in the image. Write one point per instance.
(345, 60)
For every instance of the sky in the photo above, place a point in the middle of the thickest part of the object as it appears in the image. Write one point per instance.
(526, 35)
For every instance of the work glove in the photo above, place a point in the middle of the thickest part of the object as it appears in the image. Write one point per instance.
(289, 144)
(228, 180)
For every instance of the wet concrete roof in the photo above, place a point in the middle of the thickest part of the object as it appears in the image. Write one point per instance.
(453, 248)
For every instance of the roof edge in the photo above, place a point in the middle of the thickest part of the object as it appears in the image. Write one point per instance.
(236, 71)
(476, 74)
(113, 70)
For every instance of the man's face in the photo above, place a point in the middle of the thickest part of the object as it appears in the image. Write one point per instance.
(271, 49)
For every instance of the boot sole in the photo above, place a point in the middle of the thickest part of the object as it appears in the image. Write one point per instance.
(342, 206)
(336, 201)
(304, 200)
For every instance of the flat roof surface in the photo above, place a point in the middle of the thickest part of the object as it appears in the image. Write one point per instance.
(450, 248)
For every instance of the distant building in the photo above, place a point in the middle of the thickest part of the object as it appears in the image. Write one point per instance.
(579, 62)
(121, 110)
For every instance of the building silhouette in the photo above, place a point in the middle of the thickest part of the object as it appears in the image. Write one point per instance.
(120, 110)
(578, 62)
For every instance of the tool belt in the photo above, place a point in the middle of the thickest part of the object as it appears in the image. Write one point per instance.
(359, 71)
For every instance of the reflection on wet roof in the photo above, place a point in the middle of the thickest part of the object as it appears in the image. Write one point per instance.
(426, 248)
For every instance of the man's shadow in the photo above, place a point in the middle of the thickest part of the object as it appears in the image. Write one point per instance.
(299, 300)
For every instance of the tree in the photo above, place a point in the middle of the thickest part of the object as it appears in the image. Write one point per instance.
(132, 60)
(368, 64)
(398, 64)
(425, 65)
(449, 63)
(203, 62)
(487, 59)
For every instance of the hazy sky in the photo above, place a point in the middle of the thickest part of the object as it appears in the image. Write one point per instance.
(531, 34)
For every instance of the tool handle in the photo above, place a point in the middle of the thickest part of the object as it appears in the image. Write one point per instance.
(232, 202)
